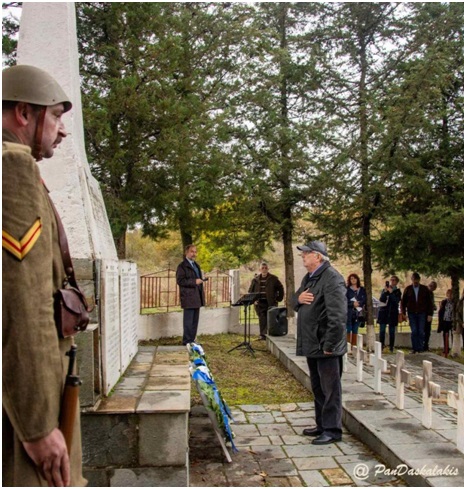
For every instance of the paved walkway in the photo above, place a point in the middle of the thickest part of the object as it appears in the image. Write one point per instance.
(430, 456)
(273, 452)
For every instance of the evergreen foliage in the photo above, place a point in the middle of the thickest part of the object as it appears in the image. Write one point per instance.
(229, 122)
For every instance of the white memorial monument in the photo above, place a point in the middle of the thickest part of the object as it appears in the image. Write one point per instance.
(48, 40)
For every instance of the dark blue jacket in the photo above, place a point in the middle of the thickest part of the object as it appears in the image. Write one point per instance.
(361, 297)
(389, 314)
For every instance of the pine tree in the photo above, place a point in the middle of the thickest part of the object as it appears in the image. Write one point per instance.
(425, 230)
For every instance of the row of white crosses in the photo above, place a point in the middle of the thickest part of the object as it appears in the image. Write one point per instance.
(430, 390)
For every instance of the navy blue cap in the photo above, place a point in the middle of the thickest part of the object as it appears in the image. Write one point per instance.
(317, 246)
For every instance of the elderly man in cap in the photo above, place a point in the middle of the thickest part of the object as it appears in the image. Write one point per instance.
(321, 306)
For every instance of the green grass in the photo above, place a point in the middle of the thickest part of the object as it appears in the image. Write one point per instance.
(241, 378)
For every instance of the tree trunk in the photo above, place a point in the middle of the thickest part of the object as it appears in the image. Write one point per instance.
(287, 240)
(366, 204)
(287, 218)
(120, 243)
(186, 236)
(456, 349)
(367, 272)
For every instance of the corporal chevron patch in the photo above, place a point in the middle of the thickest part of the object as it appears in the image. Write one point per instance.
(21, 248)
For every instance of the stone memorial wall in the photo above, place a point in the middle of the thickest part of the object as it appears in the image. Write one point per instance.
(110, 322)
(129, 311)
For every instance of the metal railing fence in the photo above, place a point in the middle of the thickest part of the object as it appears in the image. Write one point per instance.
(159, 290)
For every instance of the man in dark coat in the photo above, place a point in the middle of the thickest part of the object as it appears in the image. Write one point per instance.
(322, 309)
(388, 314)
(271, 292)
(192, 296)
(417, 302)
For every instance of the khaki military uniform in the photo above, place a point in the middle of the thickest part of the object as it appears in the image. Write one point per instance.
(34, 360)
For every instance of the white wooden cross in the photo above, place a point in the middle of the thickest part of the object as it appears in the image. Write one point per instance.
(402, 377)
(345, 362)
(457, 402)
(429, 390)
(361, 355)
(380, 365)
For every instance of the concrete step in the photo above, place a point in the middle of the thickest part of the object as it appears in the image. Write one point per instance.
(138, 436)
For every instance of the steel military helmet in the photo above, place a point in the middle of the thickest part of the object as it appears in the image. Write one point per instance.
(25, 83)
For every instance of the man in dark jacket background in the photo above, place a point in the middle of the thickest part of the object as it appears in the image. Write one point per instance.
(271, 292)
(418, 304)
(192, 296)
(322, 309)
(388, 314)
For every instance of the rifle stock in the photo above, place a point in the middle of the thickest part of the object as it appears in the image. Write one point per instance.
(70, 401)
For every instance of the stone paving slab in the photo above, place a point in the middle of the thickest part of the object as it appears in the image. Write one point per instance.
(260, 418)
(299, 451)
(131, 383)
(252, 440)
(318, 463)
(268, 451)
(313, 478)
(164, 402)
(168, 383)
(168, 370)
(118, 404)
(275, 429)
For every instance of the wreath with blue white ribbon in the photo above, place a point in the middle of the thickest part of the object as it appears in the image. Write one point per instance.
(201, 373)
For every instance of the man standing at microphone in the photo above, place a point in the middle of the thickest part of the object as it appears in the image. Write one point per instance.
(192, 296)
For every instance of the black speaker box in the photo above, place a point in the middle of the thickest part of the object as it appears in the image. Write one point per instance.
(277, 323)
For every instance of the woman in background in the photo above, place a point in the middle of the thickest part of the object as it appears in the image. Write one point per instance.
(445, 319)
(356, 298)
(460, 317)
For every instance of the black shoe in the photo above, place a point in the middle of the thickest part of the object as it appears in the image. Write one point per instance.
(325, 440)
(261, 338)
(312, 431)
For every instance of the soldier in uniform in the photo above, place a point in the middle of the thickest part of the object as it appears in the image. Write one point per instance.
(34, 360)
